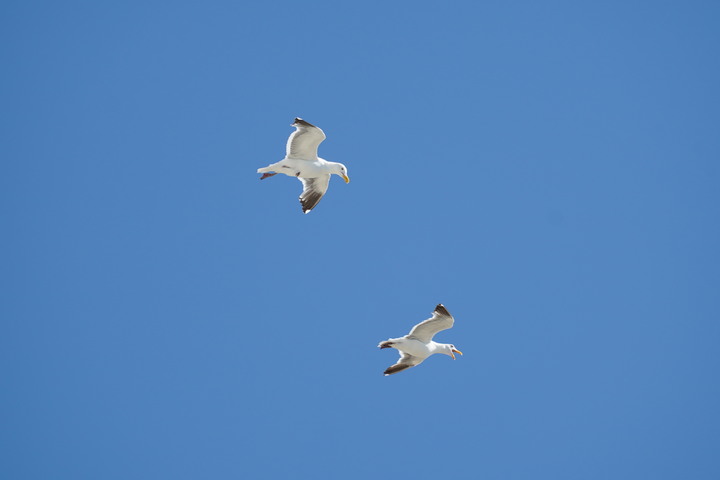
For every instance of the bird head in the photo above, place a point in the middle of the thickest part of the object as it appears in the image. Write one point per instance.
(451, 350)
(341, 170)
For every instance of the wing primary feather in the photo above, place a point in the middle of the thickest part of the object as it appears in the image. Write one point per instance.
(440, 308)
(313, 191)
(426, 330)
(398, 367)
(303, 142)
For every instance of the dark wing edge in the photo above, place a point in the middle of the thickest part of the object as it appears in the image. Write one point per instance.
(406, 361)
(313, 191)
(300, 121)
(398, 367)
(426, 330)
(440, 308)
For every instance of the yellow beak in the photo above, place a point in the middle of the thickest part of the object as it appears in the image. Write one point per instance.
(456, 351)
(345, 177)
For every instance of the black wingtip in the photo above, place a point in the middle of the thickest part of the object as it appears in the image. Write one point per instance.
(440, 308)
(309, 201)
(395, 369)
(300, 121)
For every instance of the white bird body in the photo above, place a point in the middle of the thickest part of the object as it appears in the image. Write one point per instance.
(418, 345)
(301, 161)
(414, 347)
(296, 167)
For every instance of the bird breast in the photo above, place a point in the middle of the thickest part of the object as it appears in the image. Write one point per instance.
(414, 347)
(306, 168)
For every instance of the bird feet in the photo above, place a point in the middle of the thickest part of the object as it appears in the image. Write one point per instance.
(266, 175)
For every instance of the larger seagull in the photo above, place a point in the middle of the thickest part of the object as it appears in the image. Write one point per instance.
(302, 161)
(418, 345)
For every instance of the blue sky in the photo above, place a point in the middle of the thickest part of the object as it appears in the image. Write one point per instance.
(547, 170)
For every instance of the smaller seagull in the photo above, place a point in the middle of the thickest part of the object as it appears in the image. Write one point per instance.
(301, 161)
(418, 345)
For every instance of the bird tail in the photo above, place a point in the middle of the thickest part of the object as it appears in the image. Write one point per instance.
(264, 169)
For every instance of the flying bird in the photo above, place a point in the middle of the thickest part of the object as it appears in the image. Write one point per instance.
(418, 345)
(301, 161)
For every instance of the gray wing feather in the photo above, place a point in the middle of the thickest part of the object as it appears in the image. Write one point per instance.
(406, 361)
(303, 142)
(425, 330)
(313, 191)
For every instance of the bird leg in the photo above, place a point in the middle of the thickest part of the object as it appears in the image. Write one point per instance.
(266, 175)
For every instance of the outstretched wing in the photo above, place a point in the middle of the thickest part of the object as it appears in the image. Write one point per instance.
(406, 361)
(313, 191)
(303, 142)
(440, 320)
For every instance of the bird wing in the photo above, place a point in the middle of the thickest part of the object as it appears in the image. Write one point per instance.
(303, 142)
(425, 330)
(313, 191)
(406, 361)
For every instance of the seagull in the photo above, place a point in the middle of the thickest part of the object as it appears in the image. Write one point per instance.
(418, 345)
(301, 161)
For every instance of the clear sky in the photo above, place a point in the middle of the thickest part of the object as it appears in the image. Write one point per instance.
(549, 171)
